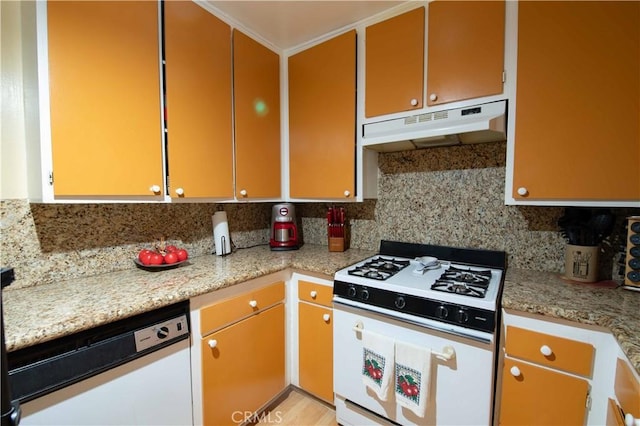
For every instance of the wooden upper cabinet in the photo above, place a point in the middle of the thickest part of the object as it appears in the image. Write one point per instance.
(577, 127)
(104, 81)
(394, 64)
(322, 119)
(256, 85)
(465, 51)
(198, 102)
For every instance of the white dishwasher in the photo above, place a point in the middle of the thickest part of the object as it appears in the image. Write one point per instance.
(135, 371)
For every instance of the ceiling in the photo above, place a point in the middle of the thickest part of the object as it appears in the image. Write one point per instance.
(287, 24)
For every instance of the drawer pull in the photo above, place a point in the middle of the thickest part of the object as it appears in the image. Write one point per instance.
(212, 343)
(545, 350)
(253, 303)
(326, 317)
(515, 371)
(313, 294)
(629, 420)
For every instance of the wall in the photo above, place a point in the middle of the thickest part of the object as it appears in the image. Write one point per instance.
(13, 183)
(51, 242)
(455, 196)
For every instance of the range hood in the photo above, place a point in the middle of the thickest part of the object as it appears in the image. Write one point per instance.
(473, 124)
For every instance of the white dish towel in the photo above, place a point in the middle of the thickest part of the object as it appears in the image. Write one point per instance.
(377, 363)
(412, 377)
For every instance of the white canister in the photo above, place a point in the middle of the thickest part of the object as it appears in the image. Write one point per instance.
(221, 240)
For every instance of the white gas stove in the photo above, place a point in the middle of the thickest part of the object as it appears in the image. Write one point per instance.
(445, 302)
(458, 289)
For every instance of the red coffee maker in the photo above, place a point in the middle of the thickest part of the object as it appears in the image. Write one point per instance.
(284, 231)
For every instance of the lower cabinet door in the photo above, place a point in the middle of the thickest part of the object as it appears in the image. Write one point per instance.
(244, 369)
(315, 351)
(537, 396)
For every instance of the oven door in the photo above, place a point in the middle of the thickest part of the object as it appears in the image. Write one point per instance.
(460, 390)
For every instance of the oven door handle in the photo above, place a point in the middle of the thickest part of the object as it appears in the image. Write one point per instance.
(447, 354)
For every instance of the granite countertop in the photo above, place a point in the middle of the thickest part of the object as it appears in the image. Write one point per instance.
(599, 304)
(44, 312)
(37, 314)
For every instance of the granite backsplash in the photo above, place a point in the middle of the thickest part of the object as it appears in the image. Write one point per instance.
(446, 196)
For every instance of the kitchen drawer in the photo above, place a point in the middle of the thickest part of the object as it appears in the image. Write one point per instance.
(315, 293)
(563, 354)
(234, 309)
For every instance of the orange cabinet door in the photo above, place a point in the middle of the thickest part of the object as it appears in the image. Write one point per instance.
(322, 119)
(244, 369)
(465, 51)
(104, 88)
(537, 396)
(315, 350)
(627, 389)
(577, 127)
(256, 86)
(198, 102)
(394, 64)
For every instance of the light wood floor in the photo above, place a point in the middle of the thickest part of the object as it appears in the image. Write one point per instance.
(298, 408)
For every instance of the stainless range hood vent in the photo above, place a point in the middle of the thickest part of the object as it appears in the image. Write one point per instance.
(475, 124)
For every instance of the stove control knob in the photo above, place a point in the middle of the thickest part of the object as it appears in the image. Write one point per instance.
(400, 302)
(364, 295)
(351, 291)
(442, 311)
(462, 316)
(163, 332)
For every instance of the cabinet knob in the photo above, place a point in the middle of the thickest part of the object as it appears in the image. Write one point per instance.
(154, 188)
(243, 192)
(326, 317)
(414, 102)
(253, 303)
(629, 420)
(180, 191)
(515, 371)
(212, 343)
(313, 294)
(522, 191)
(433, 97)
(347, 193)
(545, 350)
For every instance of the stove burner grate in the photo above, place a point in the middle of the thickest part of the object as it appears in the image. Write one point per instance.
(466, 282)
(379, 268)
